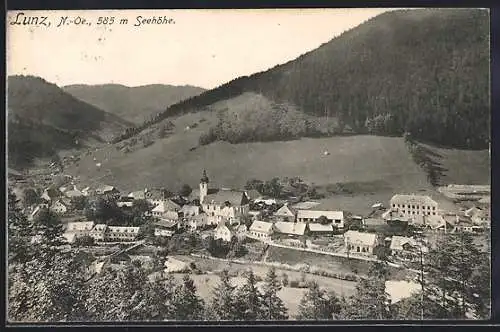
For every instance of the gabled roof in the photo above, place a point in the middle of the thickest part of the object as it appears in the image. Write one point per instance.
(355, 237)
(290, 228)
(315, 227)
(397, 242)
(415, 199)
(261, 226)
(235, 198)
(285, 211)
(165, 206)
(106, 188)
(190, 210)
(139, 194)
(253, 194)
(73, 193)
(315, 214)
(166, 223)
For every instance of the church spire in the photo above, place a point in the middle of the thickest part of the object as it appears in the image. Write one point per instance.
(204, 178)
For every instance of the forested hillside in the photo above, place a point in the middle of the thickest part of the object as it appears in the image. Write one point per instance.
(423, 71)
(43, 119)
(135, 104)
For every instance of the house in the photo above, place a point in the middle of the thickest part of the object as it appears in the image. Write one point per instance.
(432, 222)
(222, 204)
(405, 247)
(156, 196)
(334, 217)
(286, 213)
(72, 193)
(140, 194)
(98, 232)
(107, 190)
(125, 202)
(163, 232)
(188, 211)
(166, 210)
(260, 230)
(479, 216)
(80, 228)
(121, 233)
(241, 232)
(358, 242)
(414, 205)
(316, 229)
(196, 222)
(171, 225)
(290, 228)
(305, 205)
(59, 207)
(69, 237)
(266, 201)
(223, 232)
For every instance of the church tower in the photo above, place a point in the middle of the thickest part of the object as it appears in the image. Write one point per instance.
(203, 186)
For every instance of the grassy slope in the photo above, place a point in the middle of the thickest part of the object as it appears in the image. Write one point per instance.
(134, 104)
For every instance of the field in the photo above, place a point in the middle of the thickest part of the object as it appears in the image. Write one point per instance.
(374, 167)
(291, 296)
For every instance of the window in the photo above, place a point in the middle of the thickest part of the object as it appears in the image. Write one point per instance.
(434, 208)
(433, 213)
(393, 205)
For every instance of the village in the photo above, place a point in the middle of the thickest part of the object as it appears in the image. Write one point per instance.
(397, 230)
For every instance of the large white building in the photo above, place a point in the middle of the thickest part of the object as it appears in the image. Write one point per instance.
(411, 206)
(336, 218)
(220, 205)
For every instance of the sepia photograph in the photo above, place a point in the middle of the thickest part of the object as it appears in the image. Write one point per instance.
(241, 165)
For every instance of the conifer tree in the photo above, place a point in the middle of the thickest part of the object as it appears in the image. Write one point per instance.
(188, 305)
(249, 299)
(316, 304)
(223, 301)
(273, 306)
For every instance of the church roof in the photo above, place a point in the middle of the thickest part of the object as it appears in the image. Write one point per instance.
(234, 198)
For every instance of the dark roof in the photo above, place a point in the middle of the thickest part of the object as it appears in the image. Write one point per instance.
(204, 178)
(166, 223)
(234, 198)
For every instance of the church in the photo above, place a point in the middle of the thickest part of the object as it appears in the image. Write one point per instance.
(222, 205)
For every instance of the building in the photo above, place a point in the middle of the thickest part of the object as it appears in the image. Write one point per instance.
(51, 194)
(432, 222)
(253, 195)
(196, 222)
(317, 229)
(241, 232)
(479, 216)
(121, 233)
(336, 218)
(80, 228)
(166, 210)
(107, 190)
(125, 202)
(414, 205)
(286, 213)
(160, 232)
(358, 242)
(223, 232)
(260, 230)
(290, 228)
(188, 211)
(72, 193)
(405, 247)
(59, 207)
(222, 204)
(98, 232)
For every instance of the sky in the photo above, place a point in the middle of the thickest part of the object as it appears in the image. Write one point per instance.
(204, 48)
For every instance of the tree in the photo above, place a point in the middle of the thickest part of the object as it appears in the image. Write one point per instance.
(20, 231)
(248, 300)
(79, 202)
(84, 241)
(39, 292)
(50, 229)
(31, 197)
(273, 306)
(223, 303)
(103, 209)
(316, 304)
(188, 305)
(185, 190)
(370, 301)
(323, 220)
